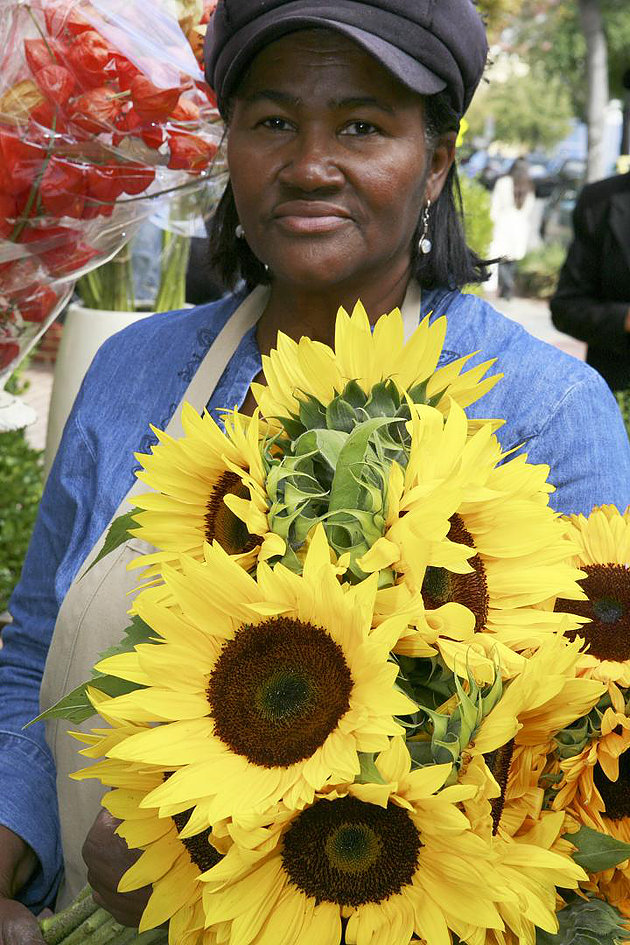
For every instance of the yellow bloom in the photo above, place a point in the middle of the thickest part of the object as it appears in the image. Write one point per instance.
(603, 540)
(307, 367)
(267, 689)
(170, 864)
(395, 860)
(532, 862)
(477, 538)
(208, 485)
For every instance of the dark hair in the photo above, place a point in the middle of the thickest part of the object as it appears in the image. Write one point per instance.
(450, 263)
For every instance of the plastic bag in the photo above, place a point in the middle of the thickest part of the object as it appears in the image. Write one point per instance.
(103, 109)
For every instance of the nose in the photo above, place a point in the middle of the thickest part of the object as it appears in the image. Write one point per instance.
(311, 162)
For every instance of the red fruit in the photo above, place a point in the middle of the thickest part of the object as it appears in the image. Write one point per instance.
(56, 83)
(49, 117)
(63, 187)
(8, 213)
(152, 135)
(135, 177)
(151, 102)
(62, 261)
(126, 72)
(104, 183)
(62, 19)
(190, 152)
(43, 52)
(8, 353)
(37, 304)
(96, 111)
(185, 110)
(20, 162)
(88, 55)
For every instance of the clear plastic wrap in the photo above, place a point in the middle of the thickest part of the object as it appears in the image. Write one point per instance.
(103, 108)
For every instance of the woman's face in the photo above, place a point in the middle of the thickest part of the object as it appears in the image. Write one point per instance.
(328, 162)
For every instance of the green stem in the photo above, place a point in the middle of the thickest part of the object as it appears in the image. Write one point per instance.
(57, 927)
(110, 286)
(172, 289)
(87, 928)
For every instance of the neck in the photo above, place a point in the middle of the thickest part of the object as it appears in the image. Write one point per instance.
(297, 311)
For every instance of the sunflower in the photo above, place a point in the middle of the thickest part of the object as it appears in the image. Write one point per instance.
(603, 540)
(516, 735)
(169, 863)
(593, 786)
(491, 545)
(388, 861)
(208, 485)
(533, 862)
(266, 689)
(295, 371)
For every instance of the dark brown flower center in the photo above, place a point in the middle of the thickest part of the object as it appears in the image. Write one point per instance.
(608, 608)
(222, 524)
(278, 690)
(441, 586)
(615, 794)
(351, 853)
(499, 762)
(200, 850)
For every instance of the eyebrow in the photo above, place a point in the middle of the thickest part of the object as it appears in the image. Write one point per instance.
(285, 98)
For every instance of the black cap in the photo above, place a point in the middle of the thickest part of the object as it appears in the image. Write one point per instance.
(429, 45)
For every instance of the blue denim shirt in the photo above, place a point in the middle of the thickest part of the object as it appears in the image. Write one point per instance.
(558, 408)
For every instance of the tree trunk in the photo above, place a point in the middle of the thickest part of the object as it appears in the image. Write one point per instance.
(597, 77)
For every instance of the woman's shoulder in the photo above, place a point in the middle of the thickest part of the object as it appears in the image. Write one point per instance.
(537, 377)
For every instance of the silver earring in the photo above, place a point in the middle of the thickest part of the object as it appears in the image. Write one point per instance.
(424, 243)
(239, 231)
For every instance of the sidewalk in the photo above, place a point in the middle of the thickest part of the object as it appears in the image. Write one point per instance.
(533, 314)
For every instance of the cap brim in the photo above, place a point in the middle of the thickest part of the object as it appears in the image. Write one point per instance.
(267, 28)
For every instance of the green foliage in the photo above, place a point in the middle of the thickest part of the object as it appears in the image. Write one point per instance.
(21, 480)
(549, 35)
(477, 219)
(531, 111)
(586, 922)
(76, 706)
(537, 273)
(597, 851)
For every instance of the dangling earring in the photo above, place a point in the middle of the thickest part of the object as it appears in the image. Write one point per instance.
(239, 232)
(424, 243)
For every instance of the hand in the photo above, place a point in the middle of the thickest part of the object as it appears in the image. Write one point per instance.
(18, 926)
(108, 857)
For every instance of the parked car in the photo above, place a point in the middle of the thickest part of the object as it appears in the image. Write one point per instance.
(570, 172)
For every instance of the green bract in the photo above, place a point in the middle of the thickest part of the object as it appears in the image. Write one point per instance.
(333, 467)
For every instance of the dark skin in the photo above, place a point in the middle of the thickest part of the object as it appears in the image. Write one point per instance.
(330, 171)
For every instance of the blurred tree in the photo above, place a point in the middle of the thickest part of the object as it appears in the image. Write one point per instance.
(553, 35)
(532, 111)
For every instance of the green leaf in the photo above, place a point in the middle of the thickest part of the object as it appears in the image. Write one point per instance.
(597, 851)
(369, 773)
(117, 535)
(75, 706)
(586, 922)
(345, 490)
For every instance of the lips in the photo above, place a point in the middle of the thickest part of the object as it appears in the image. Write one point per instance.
(310, 216)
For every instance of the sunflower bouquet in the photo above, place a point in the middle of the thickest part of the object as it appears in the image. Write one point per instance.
(353, 691)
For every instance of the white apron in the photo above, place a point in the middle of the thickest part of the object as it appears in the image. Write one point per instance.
(94, 612)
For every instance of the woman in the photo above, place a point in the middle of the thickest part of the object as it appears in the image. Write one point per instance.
(341, 127)
(513, 202)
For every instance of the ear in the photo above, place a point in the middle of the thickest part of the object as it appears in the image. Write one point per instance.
(440, 164)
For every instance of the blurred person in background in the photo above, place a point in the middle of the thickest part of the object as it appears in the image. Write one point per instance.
(513, 202)
(592, 301)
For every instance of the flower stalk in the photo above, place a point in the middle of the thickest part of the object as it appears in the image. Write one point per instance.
(85, 923)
